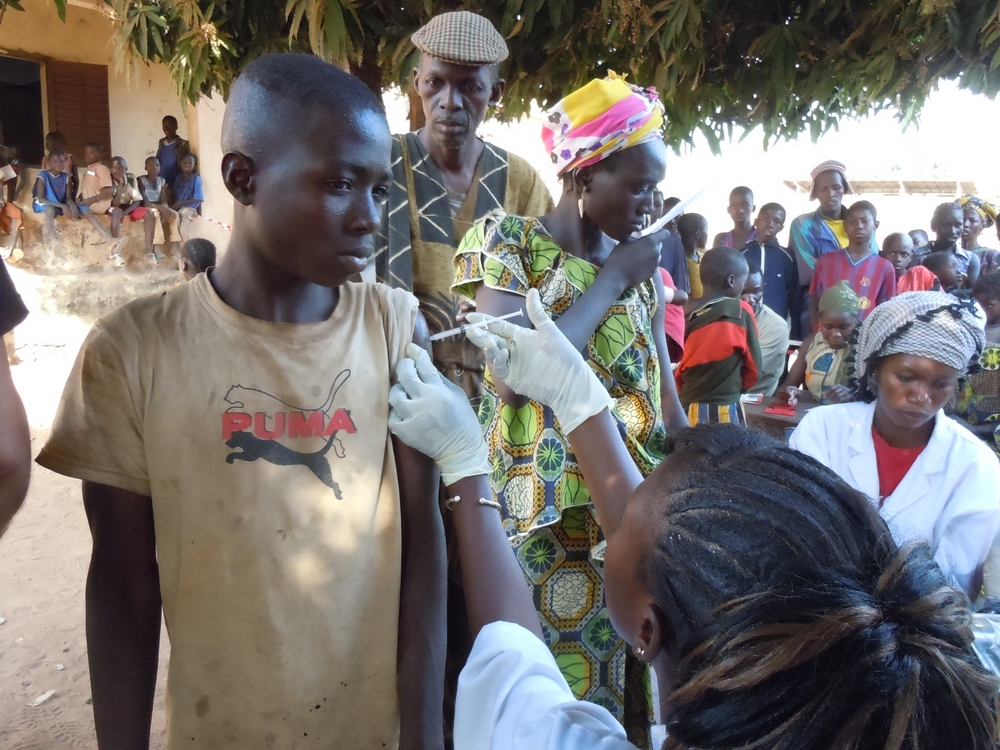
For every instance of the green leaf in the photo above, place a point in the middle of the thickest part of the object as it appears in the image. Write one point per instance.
(61, 9)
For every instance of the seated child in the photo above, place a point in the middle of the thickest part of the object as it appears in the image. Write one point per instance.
(51, 196)
(740, 210)
(977, 403)
(945, 266)
(125, 201)
(673, 316)
(871, 277)
(825, 364)
(196, 256)
(56, 141)
(721, 350)
(10, 214)
(772, 332)
(187, 194)
(898, 250)
(297, 553)
(95, 188)
(782, 292)
(947, 224)
(155, 212)
(693, 231)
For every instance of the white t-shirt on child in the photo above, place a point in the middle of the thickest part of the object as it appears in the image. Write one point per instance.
(265, 449)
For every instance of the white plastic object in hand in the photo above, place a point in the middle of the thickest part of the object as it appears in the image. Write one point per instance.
(542, 364)
(433, 415)
(673, 213)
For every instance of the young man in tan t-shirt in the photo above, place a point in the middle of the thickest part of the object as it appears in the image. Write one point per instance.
(232, 437)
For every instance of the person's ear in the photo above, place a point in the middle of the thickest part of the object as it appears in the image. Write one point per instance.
(496, 92)
(416, 80)
(582, 179)
(653, 636)
(876, 223)
(238, 171)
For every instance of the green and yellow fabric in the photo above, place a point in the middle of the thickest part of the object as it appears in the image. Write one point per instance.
(546, 505)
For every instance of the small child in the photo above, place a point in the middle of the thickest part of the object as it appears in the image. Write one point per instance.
(155, 205)
(740, 210)
(946, 267)
(297, 554)
(721, 350)
(919, 237)
(56, 141)
(898, 250)
(125, 201)
(987, 293)
(871, 277)
(693, 230)
(947, 224)
(825, 364)
(187, 193)
(977, 403)
(772, 332)
(782, 292)
(171, 150)
(196, 256)
(52, 197)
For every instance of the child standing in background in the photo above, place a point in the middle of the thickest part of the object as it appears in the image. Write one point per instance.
(945, 266)
(170, 150)
(693, 229)
(782, 292)
(898, 250)
(825, 364)
(155, 211)
(721, 350)
(947, 223)
(871, 277)
(772, 333)
(740, 210)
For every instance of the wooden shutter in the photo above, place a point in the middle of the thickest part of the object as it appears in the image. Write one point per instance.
(78, 104)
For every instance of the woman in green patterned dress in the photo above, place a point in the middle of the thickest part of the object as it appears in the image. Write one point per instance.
(604, 290)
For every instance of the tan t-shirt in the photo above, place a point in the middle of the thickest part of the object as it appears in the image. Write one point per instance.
(265, 449)
(95, 178)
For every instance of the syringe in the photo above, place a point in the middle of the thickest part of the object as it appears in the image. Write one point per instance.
(463, 328)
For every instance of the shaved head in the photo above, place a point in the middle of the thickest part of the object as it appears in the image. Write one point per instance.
(720, 263)
(281, 95)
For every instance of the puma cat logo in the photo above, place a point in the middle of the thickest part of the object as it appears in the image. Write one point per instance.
(246, 430)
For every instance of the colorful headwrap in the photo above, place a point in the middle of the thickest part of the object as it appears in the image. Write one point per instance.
(986, 210)
(935, 325)
(839, 298)
(605, 116)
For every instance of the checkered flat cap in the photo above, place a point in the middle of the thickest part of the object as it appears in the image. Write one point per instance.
(461, 37)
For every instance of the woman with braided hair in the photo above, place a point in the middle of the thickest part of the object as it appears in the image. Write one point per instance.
(767, 594)
(931, 478)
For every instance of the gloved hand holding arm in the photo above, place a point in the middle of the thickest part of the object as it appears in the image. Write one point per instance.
(432, 415)
(544, 366)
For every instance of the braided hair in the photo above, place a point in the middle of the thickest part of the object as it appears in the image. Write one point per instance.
(798, 621)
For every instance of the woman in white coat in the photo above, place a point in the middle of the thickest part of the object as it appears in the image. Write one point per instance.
(766, 593)
(931, 478)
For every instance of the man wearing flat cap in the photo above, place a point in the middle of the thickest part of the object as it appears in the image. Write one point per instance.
(445, 178)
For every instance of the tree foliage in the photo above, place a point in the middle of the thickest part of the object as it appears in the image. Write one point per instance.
(788, 66)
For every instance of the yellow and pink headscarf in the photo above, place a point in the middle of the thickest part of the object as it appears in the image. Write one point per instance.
(600, 119)
(986, 210)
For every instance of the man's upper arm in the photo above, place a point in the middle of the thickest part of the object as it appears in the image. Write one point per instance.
(121, 523)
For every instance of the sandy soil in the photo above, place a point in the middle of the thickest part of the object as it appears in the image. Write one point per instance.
(45, 552)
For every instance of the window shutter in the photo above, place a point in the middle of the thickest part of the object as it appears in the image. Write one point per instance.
(78, 104)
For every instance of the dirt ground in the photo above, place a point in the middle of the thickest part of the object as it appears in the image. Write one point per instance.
(45, 552)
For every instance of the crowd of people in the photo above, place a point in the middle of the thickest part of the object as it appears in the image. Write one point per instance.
(166, 198)
(364, 530)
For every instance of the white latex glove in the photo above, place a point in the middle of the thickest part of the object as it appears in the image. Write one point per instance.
(433, 415)
(542, 364)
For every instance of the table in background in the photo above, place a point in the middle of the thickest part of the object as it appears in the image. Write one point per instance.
(775, 425)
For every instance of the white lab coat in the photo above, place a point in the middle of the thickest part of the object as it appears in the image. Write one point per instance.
(949, 498)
